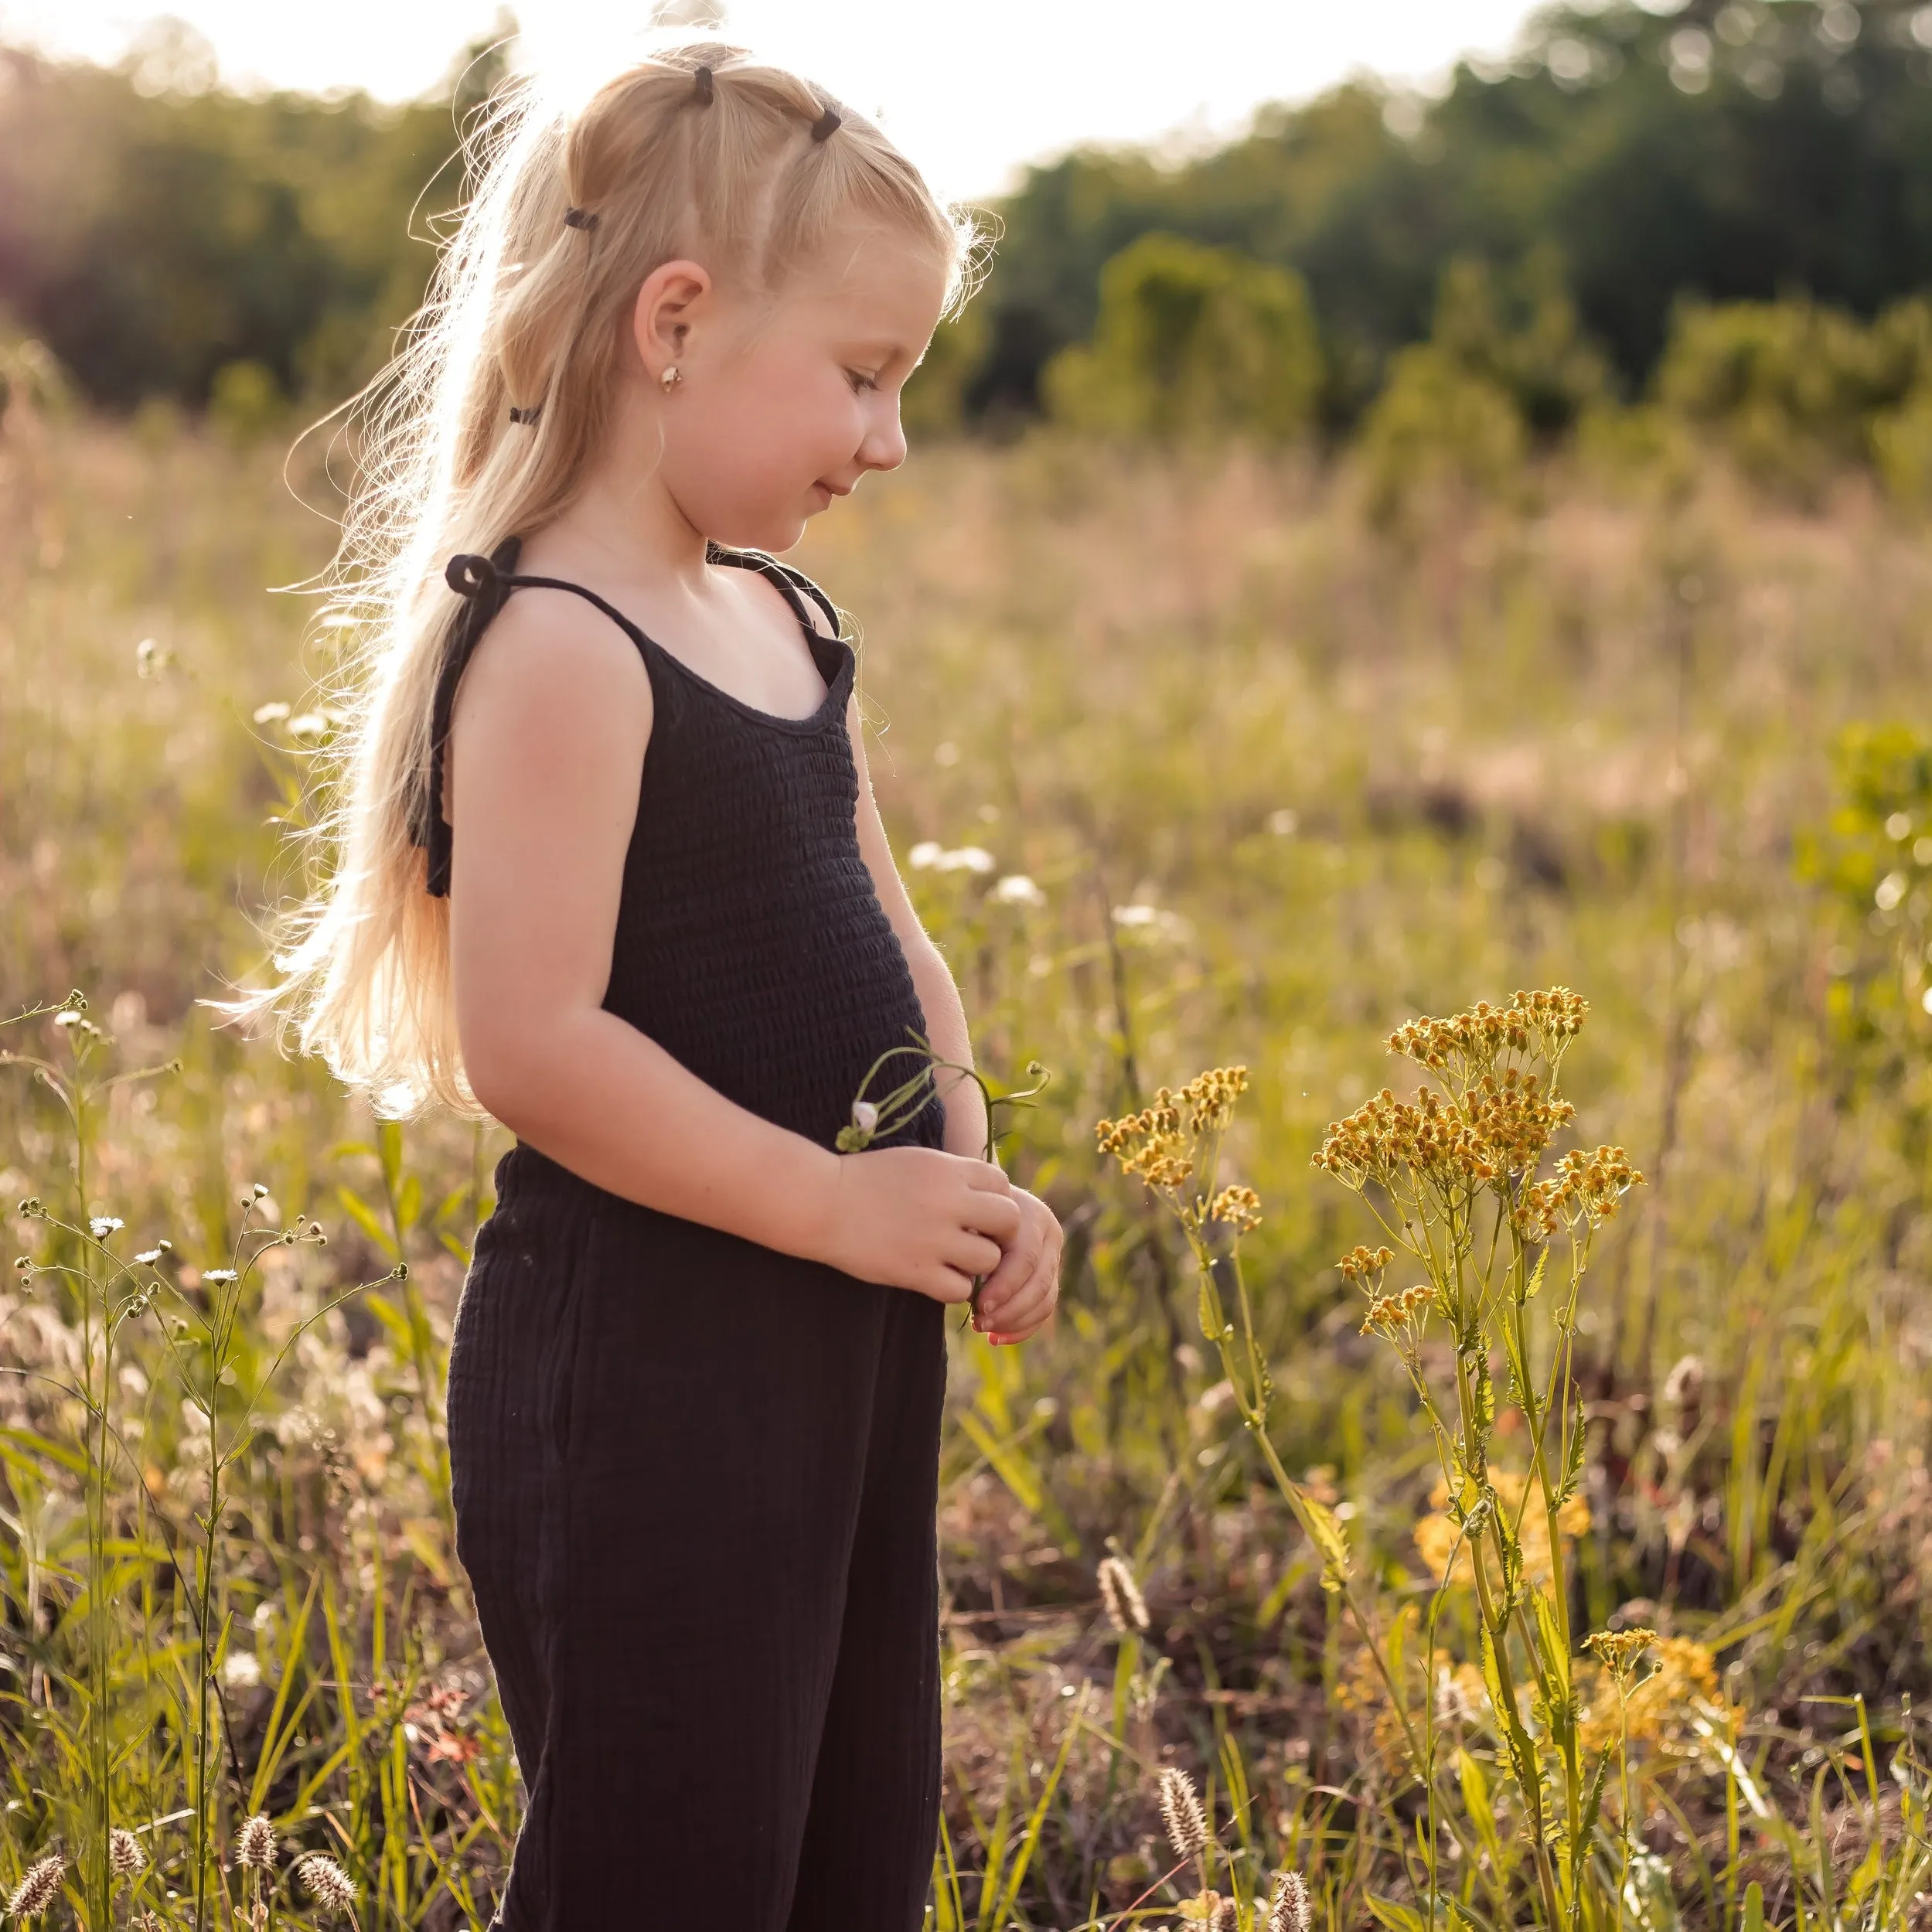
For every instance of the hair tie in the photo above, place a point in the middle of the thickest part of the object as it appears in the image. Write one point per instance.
(826, 124)
(579, 218)
(706, 89)
(528, 416)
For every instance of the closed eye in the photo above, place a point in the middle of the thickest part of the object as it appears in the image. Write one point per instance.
(860, 380)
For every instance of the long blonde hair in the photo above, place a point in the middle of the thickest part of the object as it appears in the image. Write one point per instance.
(526, 309)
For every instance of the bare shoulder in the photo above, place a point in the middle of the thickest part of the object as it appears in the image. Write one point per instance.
(556, 702)
(553, 648)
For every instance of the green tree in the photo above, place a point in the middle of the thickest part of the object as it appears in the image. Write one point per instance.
(1192, 342)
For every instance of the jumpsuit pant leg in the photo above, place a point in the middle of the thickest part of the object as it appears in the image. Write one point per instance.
(715, 1592)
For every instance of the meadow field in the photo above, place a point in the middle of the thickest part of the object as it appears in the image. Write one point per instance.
(1191, 762)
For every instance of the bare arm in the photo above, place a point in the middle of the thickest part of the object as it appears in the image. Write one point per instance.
(966, 1108)
(551, 728)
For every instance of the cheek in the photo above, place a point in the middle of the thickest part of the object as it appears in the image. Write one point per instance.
(757, 433)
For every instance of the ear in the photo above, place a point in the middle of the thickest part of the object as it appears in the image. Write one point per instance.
(674, 295)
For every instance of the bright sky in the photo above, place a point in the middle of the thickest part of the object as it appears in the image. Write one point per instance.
(970, 91)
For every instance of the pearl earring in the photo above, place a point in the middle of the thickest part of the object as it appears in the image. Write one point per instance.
(672, 375)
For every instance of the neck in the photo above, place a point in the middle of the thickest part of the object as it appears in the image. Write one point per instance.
(623, 519)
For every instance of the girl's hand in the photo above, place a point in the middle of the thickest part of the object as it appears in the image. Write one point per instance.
(1024, 1289)
(916, 1217)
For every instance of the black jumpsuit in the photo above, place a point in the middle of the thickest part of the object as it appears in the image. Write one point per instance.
(695, 1479)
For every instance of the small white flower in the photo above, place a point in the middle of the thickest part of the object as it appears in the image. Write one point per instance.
(1016, 889)
(241, 1670)
(311, 728)
(967, 858)
(221, 1276)
(148, 1257)
(103, 1225)
(270, 714)
(926, 853)
(865, 1115)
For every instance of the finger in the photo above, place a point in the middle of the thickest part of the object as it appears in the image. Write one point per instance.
(986, 1176)
(973, 1254)
(948, 1285)
(1020, 1330)
(1018, 1266)
(997, 1216)
(1026, 1307)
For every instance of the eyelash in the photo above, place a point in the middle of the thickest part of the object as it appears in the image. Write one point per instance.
(859, 382)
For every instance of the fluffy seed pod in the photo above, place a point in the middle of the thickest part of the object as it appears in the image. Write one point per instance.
(125, 1853)
(1180, 1812)
(255, 1844)
(1289, 1910)
(39, 1888)
(1120, 1596)
(332, 1887)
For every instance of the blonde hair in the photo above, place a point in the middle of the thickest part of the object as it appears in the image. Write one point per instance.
(527, 310)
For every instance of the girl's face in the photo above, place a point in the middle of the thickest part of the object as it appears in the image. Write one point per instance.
(784, 403)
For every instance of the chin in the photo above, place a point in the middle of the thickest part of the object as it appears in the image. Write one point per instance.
(770, 534)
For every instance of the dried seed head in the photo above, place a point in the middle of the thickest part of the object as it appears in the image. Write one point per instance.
(125, 1853)
(1226, 1916)
(331, 1887)
(39, 1888)
(1180, 1812)
(1289, 1911)
(255, 1844)
(1120, 1596)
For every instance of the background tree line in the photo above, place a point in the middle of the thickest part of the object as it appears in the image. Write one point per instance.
(1573, 228)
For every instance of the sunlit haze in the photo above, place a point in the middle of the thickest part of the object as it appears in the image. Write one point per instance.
(971, 92)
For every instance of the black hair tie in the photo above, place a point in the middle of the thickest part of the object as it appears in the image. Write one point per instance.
(705, 88)
(827, 124)
(579, 218)
(526, 416)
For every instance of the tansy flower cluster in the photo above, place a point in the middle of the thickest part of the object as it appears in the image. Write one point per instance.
(1390, 1314)
(1585, 1190)
(1361, 1262)
(1161, 1144)
(1388, 1140)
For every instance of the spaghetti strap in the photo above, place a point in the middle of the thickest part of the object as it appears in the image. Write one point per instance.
(789, 581)
(484, 583)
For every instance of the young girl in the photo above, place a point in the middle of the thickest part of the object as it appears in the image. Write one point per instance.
(608, 868)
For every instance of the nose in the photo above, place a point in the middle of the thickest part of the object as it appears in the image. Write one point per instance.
(884, 445)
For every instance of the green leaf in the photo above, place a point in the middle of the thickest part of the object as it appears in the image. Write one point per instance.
(1482, 1814)
(1753, 1907)
(389, 1148)
(366, 1218)
(1398, 1918)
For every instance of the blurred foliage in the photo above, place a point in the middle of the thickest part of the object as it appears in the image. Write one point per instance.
(1798, 391)
(1730, 149)
(1192, 342)
(1872, 857)
(1505, 365)
(154, 228)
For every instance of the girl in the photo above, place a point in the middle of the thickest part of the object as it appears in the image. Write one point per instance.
(608, 868)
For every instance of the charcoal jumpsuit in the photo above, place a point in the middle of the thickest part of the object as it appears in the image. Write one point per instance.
(695, 1478)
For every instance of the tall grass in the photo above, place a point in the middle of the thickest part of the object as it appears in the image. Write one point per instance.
(1187, 764)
